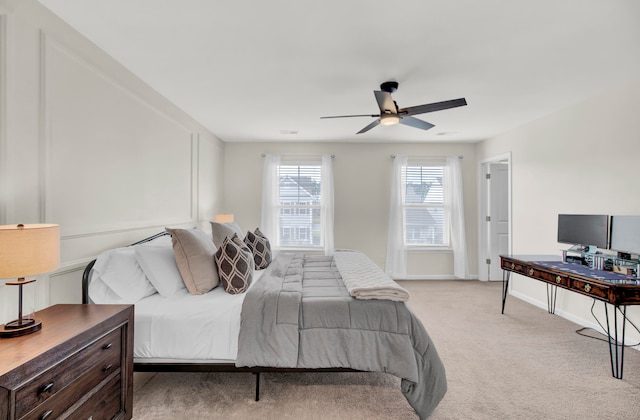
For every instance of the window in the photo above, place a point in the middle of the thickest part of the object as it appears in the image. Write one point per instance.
(426, 213)
(299, 186)
(297, 202)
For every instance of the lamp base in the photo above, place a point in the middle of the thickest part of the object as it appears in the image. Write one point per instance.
(14, 329)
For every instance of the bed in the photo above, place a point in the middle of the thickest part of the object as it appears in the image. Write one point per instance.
(301, 312)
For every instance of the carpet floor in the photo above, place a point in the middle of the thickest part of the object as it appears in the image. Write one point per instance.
(525, 364)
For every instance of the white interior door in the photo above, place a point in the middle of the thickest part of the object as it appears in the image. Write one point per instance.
(498, 220)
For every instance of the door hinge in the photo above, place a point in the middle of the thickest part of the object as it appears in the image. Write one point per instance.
(488, 218)
(488, 260)
(488, 176)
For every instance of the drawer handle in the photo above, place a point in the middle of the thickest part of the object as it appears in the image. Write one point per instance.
(106, 368)
(558, 279)
(531, 271)
(587, 288)
(45, 388)
(513, 265)
(46, 414)
(106, 346)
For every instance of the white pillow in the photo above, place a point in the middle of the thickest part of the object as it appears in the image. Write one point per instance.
(159, 264)
(101, 293)
(118, 278)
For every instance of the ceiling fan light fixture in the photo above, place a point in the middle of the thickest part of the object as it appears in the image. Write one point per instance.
(389, 119)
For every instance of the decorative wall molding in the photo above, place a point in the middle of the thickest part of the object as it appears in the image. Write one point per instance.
(109, 159)
(93, 234)
(195, 178)
(71, 267)
(51, 50)
(51, 42)
(44, 157)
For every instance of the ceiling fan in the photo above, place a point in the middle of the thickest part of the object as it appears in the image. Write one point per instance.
(390, 114)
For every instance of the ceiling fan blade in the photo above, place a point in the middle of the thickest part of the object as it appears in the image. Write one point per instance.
(349, 116)
(385, 102)
(436, 106)
(369, 127)
(414, 122)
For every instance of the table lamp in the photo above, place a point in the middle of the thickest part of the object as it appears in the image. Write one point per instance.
(224, 218)
(26, 250)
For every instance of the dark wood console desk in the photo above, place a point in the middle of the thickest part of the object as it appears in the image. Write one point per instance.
(615, 289)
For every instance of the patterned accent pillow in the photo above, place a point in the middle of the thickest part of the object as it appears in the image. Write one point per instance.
(260, 248)
(235, 265)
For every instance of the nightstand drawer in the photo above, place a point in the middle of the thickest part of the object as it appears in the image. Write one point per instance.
(104, 404)
(54, 407)
(71, 378)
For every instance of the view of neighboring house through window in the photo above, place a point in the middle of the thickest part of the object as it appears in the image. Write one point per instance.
(426, 213)
(299, 204)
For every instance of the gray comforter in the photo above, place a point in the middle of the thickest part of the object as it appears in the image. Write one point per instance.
(299, 314)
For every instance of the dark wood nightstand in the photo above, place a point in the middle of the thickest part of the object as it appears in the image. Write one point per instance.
(79, 365)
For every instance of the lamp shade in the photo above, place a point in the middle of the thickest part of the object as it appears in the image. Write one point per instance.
(224, 218)
(28, 249)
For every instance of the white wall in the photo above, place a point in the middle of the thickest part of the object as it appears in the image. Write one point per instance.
(581, 160)
(362, 173)
(89, 146)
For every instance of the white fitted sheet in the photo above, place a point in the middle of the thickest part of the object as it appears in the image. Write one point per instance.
(189, 327)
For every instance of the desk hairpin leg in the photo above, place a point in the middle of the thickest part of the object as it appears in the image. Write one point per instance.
(506, 275)
(552, 292)
(616, 344)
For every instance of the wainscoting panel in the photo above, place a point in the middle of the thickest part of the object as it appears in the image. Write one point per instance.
(65, 285)
(86, 144)
(112, 162)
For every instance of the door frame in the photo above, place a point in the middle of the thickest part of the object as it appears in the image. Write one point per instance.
(483, 201)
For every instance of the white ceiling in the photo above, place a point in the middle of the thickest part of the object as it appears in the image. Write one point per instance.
(253, 70)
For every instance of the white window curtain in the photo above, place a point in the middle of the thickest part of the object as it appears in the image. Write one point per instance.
(326, 205)
(453, 195)
(270, 222)
(396, 264)
(271, 200)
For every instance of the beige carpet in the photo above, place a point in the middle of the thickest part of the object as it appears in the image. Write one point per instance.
(525, 364)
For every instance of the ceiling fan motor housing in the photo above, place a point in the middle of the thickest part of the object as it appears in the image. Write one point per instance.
(389, 86)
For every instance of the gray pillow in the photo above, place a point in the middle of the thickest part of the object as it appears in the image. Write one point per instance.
(219, 231)
(194, 250)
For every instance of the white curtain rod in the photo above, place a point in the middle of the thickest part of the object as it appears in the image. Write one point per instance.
(300, 156)
(432, 157)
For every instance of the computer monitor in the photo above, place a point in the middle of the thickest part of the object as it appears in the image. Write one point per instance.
(584, 229)
(625, 234)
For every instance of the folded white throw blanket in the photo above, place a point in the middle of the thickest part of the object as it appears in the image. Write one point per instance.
(365, 280)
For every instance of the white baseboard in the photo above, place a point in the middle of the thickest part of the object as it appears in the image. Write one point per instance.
(435, 277)
(566, 315)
